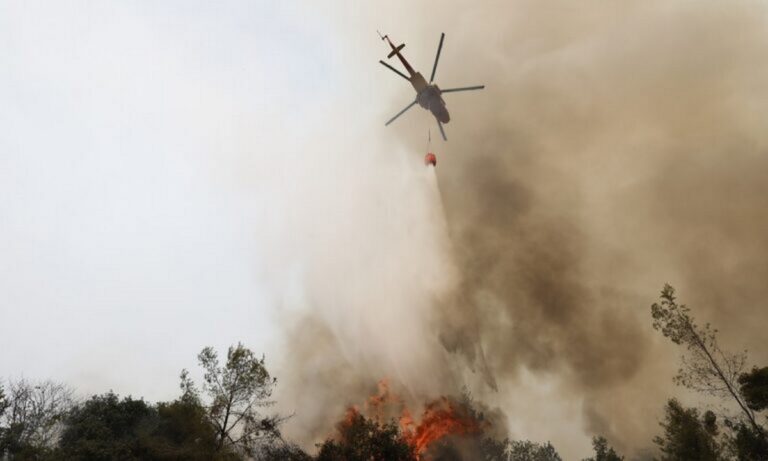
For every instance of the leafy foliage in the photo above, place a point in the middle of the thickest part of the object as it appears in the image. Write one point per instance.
(706, 367)
(749, 444)
(282, 452)
(363, 439)
(493, 449)
(4, 404)
(105, 428)
(603, 452)
(686, 437)
(182, 431)
(525, 450)
(30, 416)
(236, 391)
(754, 388)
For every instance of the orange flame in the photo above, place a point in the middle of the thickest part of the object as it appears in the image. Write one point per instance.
(441, 418)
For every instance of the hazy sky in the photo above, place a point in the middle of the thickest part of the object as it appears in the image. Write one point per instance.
(137, 138)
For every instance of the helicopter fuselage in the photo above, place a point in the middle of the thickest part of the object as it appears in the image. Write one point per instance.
(427, 94)
(428, 97)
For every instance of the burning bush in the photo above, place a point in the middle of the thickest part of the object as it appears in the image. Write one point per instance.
(384, 429)
(361, 438)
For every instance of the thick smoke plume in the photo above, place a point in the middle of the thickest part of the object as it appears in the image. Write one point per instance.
(616, 148)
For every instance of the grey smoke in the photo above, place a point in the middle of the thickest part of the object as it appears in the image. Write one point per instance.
(616, 148)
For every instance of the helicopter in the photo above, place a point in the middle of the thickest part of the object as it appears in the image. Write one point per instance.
(428, 95)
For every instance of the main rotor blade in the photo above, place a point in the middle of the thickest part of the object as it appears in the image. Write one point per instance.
(437, 58)
(466, 88)
(400, 113)
(442, 131)
(395, 70)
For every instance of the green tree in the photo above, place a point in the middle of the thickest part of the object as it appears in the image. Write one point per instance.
(754, 388)
(525, 450)
(490, 449)
(282, 452)
(236, 391)
(106, 428)
(4, 404)
(363, 439)
(603, 452)
(182, 432)
(749, 445)
(706, 367)
(494, 450)
(30, 417)
(685, 436)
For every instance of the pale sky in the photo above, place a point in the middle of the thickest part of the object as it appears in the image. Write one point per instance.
(136, 137)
